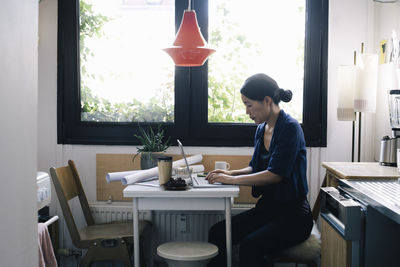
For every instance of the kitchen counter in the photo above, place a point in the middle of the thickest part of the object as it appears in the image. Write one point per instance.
(381, 194)
(361, 170)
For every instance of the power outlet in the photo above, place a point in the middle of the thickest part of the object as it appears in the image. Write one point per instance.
(182, 224)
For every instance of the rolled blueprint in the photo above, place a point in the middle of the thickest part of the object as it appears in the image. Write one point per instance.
(117, 176)
(190, 160)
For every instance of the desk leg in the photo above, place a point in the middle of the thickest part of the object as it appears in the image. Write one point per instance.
(136, 248)
(228, 227)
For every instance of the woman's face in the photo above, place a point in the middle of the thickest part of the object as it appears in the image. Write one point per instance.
(258, 111)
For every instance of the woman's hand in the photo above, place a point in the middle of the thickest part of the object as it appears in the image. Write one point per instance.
(220, 176)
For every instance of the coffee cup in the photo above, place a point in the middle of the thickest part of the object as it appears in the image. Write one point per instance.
(164, 165)
(222, 165)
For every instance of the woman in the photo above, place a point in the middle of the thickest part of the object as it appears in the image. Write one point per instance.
(277, 174)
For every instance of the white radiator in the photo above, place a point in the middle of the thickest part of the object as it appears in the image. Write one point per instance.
(104, 213)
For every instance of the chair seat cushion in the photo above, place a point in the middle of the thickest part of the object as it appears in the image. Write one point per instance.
(187, 251)
(112, 230)
(308, 250)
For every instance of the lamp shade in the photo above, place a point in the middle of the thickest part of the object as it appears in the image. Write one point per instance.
(189, 47)
(366, 83)
(346, 86)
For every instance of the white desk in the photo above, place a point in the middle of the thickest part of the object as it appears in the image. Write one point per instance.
(153, 198)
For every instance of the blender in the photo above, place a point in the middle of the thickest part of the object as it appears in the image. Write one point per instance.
(389, 145)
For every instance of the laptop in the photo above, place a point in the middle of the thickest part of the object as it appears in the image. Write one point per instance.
(197, 181)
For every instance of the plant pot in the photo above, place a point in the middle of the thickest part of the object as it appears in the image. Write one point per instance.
(149, 159)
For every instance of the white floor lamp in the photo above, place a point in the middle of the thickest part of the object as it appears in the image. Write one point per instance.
(365, 89)
(357, 92)
(346, 88)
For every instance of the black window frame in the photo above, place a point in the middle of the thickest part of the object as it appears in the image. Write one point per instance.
(191, 89)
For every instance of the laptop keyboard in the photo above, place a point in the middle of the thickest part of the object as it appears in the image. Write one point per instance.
(200, 180)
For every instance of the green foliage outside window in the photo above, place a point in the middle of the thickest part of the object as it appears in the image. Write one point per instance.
(98, 109)
(227, 73)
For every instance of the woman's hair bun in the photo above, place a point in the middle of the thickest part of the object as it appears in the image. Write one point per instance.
(260, 85)
(285, 95)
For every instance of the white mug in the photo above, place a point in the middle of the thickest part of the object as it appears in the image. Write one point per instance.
(222, 165)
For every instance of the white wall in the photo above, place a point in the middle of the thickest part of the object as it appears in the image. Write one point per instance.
(387, 19)
(47, 74)
(348, 28)
(353, 22)
(18, 133)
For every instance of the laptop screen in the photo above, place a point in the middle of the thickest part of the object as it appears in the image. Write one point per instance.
(186, 163)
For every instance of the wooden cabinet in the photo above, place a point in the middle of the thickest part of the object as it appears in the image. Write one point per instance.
(335, 251)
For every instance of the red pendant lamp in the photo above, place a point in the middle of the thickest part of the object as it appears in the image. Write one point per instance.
(189, 48)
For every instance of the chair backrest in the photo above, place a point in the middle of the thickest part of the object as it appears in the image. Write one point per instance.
(68, 185)
(317, 205)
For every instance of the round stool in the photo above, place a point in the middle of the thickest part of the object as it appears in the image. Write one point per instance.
(187, 254)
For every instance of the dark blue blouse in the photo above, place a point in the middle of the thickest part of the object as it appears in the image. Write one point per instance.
(286, 157)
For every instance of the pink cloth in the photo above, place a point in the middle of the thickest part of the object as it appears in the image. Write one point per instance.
(46, 253)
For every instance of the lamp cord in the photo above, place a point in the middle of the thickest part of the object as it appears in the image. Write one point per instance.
(190, 5)
(352, 139)
(359, 136)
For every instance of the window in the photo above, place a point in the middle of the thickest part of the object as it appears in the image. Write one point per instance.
(113, 75)
(124, 74)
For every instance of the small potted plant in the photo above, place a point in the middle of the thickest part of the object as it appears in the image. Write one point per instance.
(152, 146)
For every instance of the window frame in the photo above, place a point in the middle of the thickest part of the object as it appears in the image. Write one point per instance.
(191, 90)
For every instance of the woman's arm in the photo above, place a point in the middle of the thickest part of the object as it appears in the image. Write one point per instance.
(251, 179)
(245, 170)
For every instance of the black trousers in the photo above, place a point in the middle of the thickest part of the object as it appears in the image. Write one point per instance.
(265, 229)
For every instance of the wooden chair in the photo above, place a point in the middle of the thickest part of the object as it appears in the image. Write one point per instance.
(308, 252)
(103, 241)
